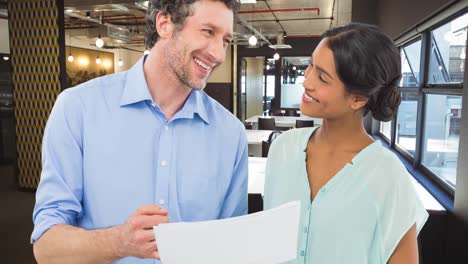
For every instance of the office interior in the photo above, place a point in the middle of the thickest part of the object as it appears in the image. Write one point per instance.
(50, 45)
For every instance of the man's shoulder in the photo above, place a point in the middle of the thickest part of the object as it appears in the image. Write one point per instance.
(99, 85)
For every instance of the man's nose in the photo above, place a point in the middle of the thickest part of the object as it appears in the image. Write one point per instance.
(217, 50)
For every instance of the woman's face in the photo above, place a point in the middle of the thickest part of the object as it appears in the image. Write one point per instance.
(325, 94)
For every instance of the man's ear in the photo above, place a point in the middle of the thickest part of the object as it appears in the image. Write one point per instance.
(164, 25)
(358, 102)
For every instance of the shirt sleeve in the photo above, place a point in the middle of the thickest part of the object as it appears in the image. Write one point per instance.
(399, 207)
(59, 194)
(235, 202)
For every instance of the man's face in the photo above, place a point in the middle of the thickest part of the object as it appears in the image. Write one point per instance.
(200, 46)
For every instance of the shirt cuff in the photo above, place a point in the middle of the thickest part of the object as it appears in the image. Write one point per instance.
(44, 223)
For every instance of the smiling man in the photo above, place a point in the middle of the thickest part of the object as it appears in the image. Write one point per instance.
(129, 151)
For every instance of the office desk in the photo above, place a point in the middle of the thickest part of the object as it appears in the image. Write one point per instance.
(282, 121)
(254, 139)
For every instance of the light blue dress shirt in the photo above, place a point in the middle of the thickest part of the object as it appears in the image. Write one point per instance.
(359, 216)
(108, 149)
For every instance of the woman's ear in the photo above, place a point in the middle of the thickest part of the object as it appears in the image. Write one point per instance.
(358, 102)
(164, 25)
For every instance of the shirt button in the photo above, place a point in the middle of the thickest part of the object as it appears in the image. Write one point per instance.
(324, 190)
(163, 163)
(166, 128)
(302, 253)
(161, 201)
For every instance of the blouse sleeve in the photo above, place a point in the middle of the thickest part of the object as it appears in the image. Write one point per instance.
(399, 206)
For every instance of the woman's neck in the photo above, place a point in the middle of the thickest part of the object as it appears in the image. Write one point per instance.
(346, 133)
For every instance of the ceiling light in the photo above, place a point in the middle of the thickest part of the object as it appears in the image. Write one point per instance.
(142, 4)
(98, 60)
(120, 63)
(276, 56)
(248, 1)
(6, 58)
(268, 67)
(99, 42)
(253, 40)
(120, 7)
(71, 58)
(294, 68)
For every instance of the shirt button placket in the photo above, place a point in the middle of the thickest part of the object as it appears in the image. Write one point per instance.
(305, 233)
(161, 197)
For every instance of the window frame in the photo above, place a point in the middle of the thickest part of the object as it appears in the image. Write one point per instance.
(424, 89)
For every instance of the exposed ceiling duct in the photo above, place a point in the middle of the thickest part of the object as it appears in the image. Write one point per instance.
(243, 22)
(122, 19)
(280, 42)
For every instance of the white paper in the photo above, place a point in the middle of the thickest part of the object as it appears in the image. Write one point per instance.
(265, 237)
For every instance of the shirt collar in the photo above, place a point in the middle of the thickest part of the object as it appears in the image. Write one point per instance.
(136, 90)
(195, 105)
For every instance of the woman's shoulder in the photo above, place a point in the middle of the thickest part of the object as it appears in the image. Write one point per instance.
(297, 137)
(383, 172)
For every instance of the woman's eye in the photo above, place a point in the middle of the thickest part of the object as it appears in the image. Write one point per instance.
(322, 79)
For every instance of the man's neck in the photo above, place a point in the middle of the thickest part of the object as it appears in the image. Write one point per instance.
(165, 89)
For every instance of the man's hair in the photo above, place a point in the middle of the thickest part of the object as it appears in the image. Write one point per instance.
(179, 11)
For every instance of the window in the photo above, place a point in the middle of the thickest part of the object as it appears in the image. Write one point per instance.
(408, 110)
(406, 122)
(385, 129)
(411, 60)
(438, 85)
(448, 51)
(441, 135)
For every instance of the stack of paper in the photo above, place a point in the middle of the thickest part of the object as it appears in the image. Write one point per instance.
(265, 237)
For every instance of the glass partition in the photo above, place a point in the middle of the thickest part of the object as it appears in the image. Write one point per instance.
(292, 77)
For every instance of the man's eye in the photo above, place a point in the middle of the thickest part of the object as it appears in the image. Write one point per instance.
(208, 31)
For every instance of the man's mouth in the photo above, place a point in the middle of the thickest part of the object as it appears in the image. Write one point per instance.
(202, 64)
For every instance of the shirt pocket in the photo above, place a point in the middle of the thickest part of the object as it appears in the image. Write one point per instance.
(200, 193)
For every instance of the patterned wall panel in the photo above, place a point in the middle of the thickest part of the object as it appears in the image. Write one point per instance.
(34, 42)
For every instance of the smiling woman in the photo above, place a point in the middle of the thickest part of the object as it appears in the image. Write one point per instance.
(358, 201)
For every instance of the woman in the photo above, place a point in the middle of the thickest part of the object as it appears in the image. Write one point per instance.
(358, 202)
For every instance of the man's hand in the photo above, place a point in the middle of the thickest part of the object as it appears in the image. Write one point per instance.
(136, 237)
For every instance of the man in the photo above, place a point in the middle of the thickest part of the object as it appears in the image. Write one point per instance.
(129, 151)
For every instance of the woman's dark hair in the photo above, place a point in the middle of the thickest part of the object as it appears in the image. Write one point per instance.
(179, 11)
(368, 63)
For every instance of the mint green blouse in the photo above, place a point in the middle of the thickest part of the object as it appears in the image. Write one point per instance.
(359, 216)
